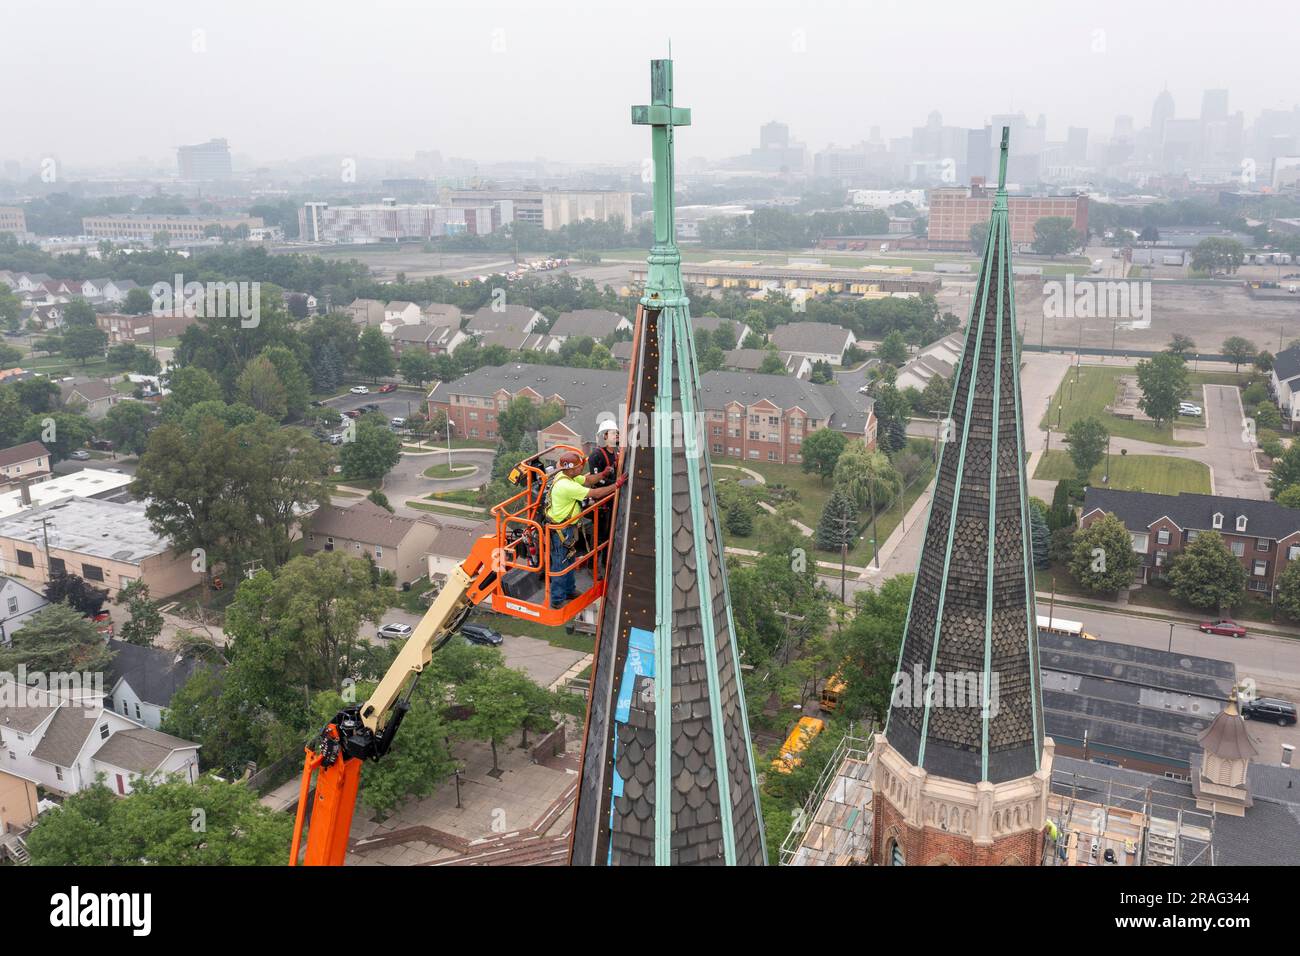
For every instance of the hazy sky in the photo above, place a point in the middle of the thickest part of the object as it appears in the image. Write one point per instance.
(98, 81)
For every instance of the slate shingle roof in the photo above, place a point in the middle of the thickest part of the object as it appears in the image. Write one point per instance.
(1286, 364)
(1139, 509)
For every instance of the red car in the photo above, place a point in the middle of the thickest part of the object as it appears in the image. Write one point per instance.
(352, 413)
(1223, 626)
(390, 387)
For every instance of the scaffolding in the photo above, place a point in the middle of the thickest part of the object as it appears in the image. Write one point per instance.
(1101, 821)
(833, 828)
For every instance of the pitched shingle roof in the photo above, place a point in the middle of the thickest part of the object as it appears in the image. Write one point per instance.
(512, 318)
(810, 337)
(66, 734)
(154, 674)
(1139, 509)
(22, 718)
(141, 750)
(364, 521)
(1286, 364)
(596, 323)
(24, 452)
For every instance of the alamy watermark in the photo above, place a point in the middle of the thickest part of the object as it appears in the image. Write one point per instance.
(24, 688)
(211, 300)
(1127, 299)
(954, 689)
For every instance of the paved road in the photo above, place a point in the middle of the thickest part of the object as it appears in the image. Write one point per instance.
(407, 481)
(1227, 451)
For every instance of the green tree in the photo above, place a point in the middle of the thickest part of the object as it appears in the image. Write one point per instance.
(1087, 438)
(500, 702)
(740, 517)
(1288, 590)
(1206, 574)
(127, 426)
(866, 476)
(187, 387)
(297, 389)
(56, 639)
(259, 387)
(1103, 557)
(892, 412)
(1163, 381)
(9, 356)
(1289, 497)
(78, 312)
(867, 649)
(839, 522)
(1181, 344)
(374, 355)
(416, 367)
(822, 373)
(1041, 537)
(772, 364)
(821, 450)
(1286, 470)
(155, 826)
(1055, 235)
(10, 309)
(893, 349)
(378, 497)
(936, 397)
(146, 621)
(138, 302)
(372, 453)
(82, 342)
(979, 237)
(1239, 350)
(61, 432)
(1218, 255)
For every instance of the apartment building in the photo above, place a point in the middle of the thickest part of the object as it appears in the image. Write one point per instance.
(28, 462)
(13, 219)
(954, 209)
(390, 221)
(144, 226)
(1263, 535)
(551, 208)
(747, 416)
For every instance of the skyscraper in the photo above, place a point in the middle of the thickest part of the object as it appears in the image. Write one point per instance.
(206, 161)
(667, 774)
(962, 766)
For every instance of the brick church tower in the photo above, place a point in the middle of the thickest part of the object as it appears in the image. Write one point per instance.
(962, 769)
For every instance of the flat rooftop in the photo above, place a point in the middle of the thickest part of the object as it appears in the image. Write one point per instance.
(87, 483)
(117, 531)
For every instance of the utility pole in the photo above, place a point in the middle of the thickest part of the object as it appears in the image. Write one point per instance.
(1171, 637)
(45, 533)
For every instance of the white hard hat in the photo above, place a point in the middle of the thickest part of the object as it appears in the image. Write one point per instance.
(606, 426)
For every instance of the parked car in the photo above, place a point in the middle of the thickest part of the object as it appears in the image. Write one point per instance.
(336, 438)
(864, 389)
(1272, 709)
(1188, 408)
(389, 387)
(395, 630)
(1223, 626)
(481, 634)
(398, 422)
(359, 390)
(370, 407)
(352, 413)
(80, 455)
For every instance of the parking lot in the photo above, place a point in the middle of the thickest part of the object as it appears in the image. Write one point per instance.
(399, 404)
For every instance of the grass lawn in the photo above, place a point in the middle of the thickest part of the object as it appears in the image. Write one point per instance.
(1156, 473)
(370, 484)
(443, 510)
(464, 496)
(442, 471)
(1096, 388)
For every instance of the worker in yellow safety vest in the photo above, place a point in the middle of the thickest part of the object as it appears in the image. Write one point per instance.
(565, 492)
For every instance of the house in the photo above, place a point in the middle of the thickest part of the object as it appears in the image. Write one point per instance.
(115, 290)
(451, 545)
(94, 397)
(819, 341)
(597, 324)
(108, 543)
(47, 316)
(1263, 535)
(94, 288)
(141, 681)
(1285, 379)
(711, 324)
(18, 802)
(434, 339)
(397, 314)
(395, 543)
(622, 352)
(517, 341)
(30, 281)
(439, 313)
(8, 279)
(28, 462)
(365, 312)
(18, 603)
(64, 742)
(939, 358)
(517, 319)
(751, 360)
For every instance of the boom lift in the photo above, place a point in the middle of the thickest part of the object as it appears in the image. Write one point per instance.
(510, 566)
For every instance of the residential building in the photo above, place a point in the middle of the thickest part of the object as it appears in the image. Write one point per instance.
(93, 397)
(18, 603)
(142, 681)
(86, 483)
(47, 316)
(760, 277)
(954, 209)
(108, 543)
(65, 743)
(711, 324)
(395, 543)
(1285, 379)
(144, 226)
(29, 462)
(596, 324)
(818, 341)
(508, 318)
(938, 358)
(143, 330)
(434, 339)
(205, 161)
(13, 220)
(18, 802)
(391, 221)
(751, 360)
(748, 416)
(1262, 535)
(365, 312)
(548, 209)
(440, 313)
(399, 313)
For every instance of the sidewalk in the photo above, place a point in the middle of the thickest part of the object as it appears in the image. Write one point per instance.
(1105, 606)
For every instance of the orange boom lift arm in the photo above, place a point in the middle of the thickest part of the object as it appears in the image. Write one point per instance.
(512, 567)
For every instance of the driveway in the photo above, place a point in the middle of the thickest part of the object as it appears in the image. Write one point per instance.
(399, 404)
(1227, 451)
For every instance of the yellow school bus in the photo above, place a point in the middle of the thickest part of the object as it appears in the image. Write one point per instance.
(796, 743)
(1058, 625)
(831, 692)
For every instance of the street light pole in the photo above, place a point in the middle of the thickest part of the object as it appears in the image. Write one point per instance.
(1171, 637)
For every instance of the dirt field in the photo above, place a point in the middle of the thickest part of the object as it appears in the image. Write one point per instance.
(1207, 313)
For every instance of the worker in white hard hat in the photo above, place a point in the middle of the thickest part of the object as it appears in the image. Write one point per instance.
(605, 453)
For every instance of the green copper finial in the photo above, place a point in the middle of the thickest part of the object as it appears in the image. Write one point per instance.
(1002, 168)
(663, 285)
